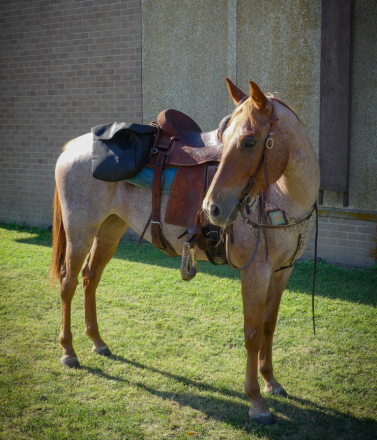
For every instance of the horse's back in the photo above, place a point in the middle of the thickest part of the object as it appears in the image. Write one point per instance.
(77, 151)
(83, 198)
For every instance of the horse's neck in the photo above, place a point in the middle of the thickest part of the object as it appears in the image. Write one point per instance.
(297, 189)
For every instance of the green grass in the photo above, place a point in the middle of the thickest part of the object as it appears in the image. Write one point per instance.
(178, 359)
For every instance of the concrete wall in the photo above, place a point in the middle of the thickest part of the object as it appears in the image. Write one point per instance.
(66, 65)
(188, 50)
(185, 59)
(279, 48)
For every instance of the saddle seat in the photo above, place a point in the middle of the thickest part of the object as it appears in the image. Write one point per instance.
(175, 122)
(189, 146)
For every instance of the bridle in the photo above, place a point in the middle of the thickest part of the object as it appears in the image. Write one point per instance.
(261, 224)
(247, 195)
(269, 144)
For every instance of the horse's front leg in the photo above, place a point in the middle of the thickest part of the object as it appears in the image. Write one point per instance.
(275, 290)
(255, 282)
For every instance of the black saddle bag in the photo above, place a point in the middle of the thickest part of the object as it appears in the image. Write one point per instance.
(120, 150)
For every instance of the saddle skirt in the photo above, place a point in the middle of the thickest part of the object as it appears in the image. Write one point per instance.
(193, 152)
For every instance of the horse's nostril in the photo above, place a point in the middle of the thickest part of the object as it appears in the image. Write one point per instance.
(215, 211)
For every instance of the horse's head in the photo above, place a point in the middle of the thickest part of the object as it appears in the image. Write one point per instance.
(246, 143)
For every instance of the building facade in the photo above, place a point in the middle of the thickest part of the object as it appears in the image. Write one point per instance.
(71, 65)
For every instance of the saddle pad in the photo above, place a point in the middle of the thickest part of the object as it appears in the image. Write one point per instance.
(145, 177)
(120, 150)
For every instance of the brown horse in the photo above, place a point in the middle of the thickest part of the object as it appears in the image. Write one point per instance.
(92, 215)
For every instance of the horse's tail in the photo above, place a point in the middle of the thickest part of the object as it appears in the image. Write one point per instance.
(59, 240)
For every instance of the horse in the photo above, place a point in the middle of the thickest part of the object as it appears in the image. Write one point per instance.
(91, 216)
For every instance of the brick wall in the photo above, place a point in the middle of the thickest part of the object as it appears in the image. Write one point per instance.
(65, 66)
(345, 241)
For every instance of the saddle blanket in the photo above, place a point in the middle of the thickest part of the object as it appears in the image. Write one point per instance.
(145, 177)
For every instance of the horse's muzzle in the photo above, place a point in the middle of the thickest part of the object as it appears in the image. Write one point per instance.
(223, 214)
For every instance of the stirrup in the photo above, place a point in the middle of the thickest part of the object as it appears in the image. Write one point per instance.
(188, 272)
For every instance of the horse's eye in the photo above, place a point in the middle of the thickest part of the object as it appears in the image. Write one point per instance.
(248, 143)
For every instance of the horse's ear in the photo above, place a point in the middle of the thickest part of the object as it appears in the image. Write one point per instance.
(257, 96)
(236, 93)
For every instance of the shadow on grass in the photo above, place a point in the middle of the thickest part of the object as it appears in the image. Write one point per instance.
(295, 417)
(41, 237)
(182, 379)
(332, 282)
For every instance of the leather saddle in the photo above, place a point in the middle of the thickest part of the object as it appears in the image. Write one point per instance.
(191, 146)
(180, 143)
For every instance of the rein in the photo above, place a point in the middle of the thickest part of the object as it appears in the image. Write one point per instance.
(261, 225)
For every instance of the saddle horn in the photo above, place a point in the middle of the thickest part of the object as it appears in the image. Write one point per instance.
(236, 93)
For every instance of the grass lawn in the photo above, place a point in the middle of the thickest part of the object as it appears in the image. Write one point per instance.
(179, 360)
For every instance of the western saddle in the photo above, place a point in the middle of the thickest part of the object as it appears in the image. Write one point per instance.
(180, 143)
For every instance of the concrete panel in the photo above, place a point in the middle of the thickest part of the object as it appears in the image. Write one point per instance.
(278, 47)
(363, 187)
(185, 59)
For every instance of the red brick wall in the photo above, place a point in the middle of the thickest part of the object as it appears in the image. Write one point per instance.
(65, 66)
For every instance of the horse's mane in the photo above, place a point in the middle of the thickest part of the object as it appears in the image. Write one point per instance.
(274, 98)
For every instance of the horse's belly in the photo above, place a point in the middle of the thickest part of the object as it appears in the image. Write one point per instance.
(134, 206)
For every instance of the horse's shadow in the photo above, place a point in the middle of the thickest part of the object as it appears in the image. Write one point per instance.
(295, 417)
(356, 286)
(351, 285)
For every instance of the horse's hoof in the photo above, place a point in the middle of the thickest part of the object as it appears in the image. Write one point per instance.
(69, 362)
(263, 419)
(102, 351)
(279, 392)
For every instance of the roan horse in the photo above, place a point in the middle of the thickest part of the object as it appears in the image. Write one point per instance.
(92, 215)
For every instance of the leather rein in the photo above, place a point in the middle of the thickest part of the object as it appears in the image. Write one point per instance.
(261, 225)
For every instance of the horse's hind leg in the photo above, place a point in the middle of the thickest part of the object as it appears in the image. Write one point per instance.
(275, 289)
(104, 247)
(76, 252)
